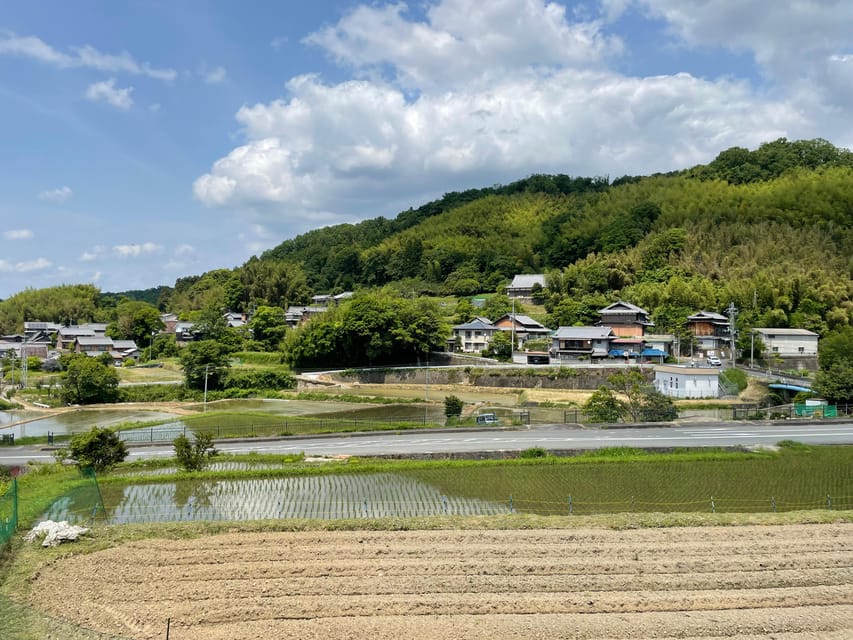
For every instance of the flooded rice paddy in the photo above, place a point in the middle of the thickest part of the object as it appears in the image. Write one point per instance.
(323, 497)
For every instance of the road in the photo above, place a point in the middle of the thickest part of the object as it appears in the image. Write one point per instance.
(552, 437)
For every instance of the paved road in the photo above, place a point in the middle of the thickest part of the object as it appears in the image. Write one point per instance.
(718, 434)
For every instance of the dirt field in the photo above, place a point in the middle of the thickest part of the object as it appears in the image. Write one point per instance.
(783, 582)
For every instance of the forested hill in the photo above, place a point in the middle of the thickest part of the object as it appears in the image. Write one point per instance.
(769, 229)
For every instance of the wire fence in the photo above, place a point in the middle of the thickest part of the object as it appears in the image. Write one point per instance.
(373, 495)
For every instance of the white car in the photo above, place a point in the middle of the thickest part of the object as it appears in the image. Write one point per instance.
(714, 361)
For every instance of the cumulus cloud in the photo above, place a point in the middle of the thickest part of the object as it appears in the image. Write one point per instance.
(136, 250)
(184, 250)
(18, 234)
(480, 92)
(462, 41)
(58, 196)
(25, 266)
(107, 91)
(84, 56)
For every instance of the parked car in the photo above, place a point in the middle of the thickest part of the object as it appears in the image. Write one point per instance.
(714, 361)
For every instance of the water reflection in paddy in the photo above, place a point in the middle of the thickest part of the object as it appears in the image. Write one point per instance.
(327, 497)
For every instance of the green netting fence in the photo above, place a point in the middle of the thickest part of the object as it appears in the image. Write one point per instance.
(9, 512)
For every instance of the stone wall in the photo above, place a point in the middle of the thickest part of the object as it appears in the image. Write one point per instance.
(509, 378)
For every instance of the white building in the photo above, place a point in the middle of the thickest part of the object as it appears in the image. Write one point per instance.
(788, 343)
(677, 381)
(474, 336)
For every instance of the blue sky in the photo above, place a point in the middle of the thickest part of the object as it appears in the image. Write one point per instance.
(146, 141)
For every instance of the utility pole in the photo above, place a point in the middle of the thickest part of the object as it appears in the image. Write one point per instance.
(732, 314)
(205, 388)
(24, 364)
(512, 333)
(751, 348)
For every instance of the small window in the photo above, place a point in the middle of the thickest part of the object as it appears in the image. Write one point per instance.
(801, 349)
(775, 349)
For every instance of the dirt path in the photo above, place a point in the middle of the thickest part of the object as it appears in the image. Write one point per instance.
(781, 582)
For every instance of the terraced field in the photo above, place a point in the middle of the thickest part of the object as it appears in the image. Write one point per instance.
(783, 582)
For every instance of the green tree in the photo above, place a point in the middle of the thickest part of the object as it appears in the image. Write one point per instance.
(86, 380)
(835, 383)
(603, 406)
(372, 328)
(453, 406)
(632, 385)
(135, 321)
(194, 455)
(205, 359)
(268, 326)
(836, 347)
(500, 347)
(100, 448)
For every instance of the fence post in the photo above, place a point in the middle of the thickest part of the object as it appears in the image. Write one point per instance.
(713, 506)
(632, 504)
(444, 501)
(510, 503)
(571, 506)
(828, 501)
(773, 503)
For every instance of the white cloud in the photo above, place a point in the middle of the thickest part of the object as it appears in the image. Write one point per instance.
(278, 42)
(184, 250)
(86, 256)
(136, 250)
(25, 266)
(84, 56)
(215, 76)
(60, 195)
(462, 42)
(106, 91)
(18, 234)
(482, 92)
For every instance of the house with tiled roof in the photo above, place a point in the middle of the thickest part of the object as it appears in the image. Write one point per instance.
(573, 343)
(627, 320)
(474, 336)
(523, 327)
(522, 285)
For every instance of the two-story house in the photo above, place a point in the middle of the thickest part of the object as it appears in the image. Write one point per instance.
(572, 343)
(627, 320)
(523, 327)
(711, 330)
(474, 336)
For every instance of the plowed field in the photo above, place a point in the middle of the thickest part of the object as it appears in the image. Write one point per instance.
(780, 582)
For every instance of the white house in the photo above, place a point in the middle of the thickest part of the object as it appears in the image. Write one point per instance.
(677, 381)
(474, 336)
(788, 343)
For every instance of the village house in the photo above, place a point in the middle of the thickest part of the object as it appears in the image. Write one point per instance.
(679, 381)
(573, 343)
(710, 329)
(522, 286)
(474, 336)
(295, 315)
(788, 343)
(66, 336)
(523, 327)
(625, 319)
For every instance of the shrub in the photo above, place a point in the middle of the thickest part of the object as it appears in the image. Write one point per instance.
(533, 452)
(98, 448)
(194, 455)
(452, 406)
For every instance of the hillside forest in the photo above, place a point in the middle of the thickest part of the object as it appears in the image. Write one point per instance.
(767, 229)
